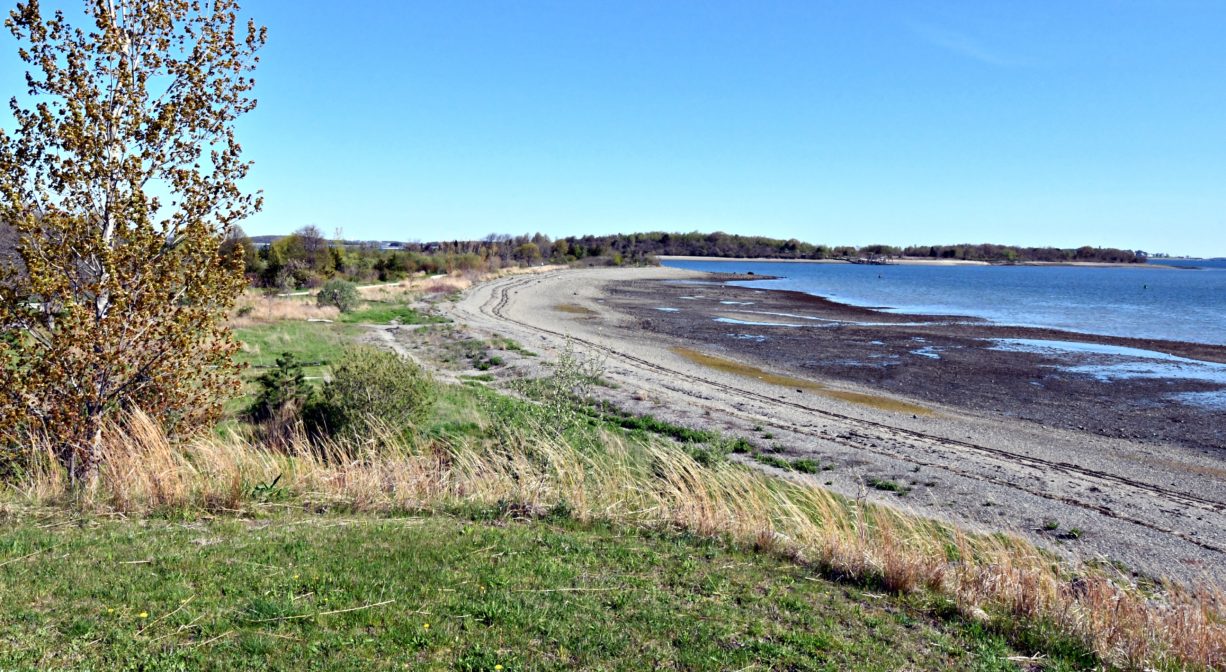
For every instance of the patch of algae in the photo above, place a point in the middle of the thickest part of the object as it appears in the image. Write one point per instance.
(746, 371)
(573, 309)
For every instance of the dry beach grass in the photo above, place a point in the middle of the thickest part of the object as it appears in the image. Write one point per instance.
(655, 484)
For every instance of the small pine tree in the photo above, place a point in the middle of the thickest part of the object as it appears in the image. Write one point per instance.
(281, 388)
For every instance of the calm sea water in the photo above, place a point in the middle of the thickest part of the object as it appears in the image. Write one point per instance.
(1184, 305)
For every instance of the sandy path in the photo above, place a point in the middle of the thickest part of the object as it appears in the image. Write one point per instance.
(1159, 511)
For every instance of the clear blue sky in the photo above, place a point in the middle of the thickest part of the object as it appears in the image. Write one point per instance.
(1063, 123)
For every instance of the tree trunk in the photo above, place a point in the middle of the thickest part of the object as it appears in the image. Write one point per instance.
(83, 457)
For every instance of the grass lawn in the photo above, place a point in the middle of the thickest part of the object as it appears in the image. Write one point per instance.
(329, 592)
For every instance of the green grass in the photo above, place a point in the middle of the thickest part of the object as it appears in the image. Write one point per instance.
(325, 592)
(803, 465)
(653, 425)
(511, 345)
(889, 486)
(313, 343)
(309, 341)
(384, 313)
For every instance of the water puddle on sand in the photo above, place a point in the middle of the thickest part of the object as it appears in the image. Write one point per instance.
(747, 371)
(1213, 401)
(1111, 363)
(668, 310)
(929, 351)
(751, 323)
(573, 309)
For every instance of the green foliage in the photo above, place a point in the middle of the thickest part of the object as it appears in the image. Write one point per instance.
(371, 389)
(340, 294)
(803, 466)
(283, 389)
(121, 180)
(654, 425)
(888, 486)
(377, 313)
(806, 466)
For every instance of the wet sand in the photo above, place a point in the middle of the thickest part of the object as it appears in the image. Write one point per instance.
(968, 435)
(950, 360)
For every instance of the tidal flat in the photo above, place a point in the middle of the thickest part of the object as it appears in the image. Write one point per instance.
(1141, 389)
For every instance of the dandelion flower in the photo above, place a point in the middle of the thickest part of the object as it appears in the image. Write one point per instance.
(144, 614)
(110, 610)
(425, 626)
(498, 667)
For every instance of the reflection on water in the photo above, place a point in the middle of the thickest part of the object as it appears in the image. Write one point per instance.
(1114, 362)
(1139, 302)
(1214, 401)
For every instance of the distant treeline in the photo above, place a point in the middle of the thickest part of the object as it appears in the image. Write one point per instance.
(718, 244)
(306, 258)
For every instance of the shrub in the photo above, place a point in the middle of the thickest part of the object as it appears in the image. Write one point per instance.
(340, 294)
(371, 388)
(277, 409)
(280, 388)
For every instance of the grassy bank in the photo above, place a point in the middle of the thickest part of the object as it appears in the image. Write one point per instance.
(594, 478)
(288, 592)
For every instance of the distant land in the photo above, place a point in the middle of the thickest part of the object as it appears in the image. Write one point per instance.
(638, 247)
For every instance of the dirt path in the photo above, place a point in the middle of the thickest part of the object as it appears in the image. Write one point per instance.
(1159, 511)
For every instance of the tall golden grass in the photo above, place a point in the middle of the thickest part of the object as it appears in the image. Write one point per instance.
(655, 484)
(253, 309)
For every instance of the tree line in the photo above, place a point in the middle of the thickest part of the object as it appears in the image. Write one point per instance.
(719, 244)
(306, 259)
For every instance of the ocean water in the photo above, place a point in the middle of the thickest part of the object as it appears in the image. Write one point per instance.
(1188, 304)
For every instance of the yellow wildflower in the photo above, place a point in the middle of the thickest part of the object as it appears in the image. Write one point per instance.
(143, 614)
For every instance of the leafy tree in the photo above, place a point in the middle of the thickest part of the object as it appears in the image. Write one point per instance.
(237, 242)
(120, 179)
(340, 294)
(369, 389)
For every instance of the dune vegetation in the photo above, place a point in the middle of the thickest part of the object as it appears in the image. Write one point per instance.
(537, 456)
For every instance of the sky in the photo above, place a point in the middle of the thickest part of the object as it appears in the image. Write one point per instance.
(1099, 122)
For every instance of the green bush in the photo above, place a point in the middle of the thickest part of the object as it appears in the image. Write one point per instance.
(281, 388)
(371, 388)
(341, 294)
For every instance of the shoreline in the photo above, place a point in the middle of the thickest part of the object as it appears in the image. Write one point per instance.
(1208, 352)
(923, 261)
(1135, 496)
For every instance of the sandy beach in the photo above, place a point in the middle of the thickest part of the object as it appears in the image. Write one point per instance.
(969, 444)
